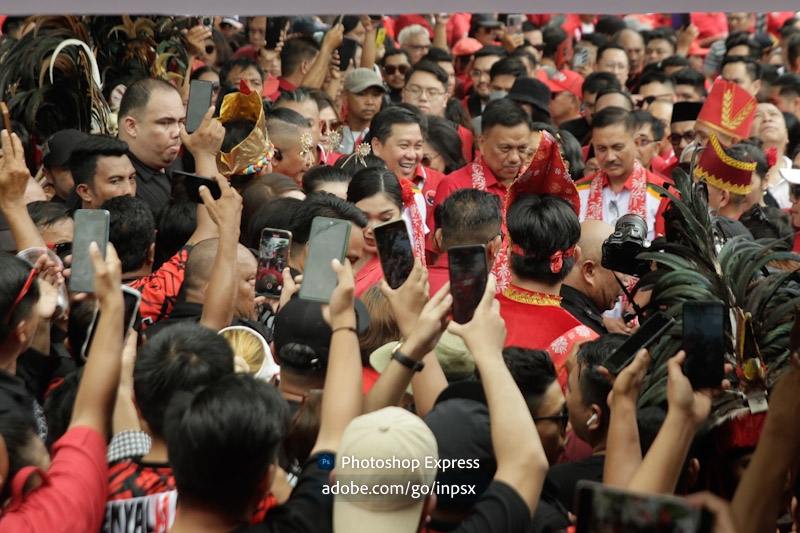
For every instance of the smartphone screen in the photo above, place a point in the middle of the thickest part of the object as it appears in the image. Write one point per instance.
(468, 274)
(199, 101)
(514, 24)
(580, 57)
(645, 336)
(273, 255)
(347, 52)
(328, 241)
(605, 508)
(275, 25)
(91, 225)
(380, 37)
(394, 251)
(704, 343)
(133, 300)
(192, 183)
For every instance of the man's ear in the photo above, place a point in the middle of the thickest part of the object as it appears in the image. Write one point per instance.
(84, 192)
(19, 331)
(436, 240)
(481, 141)
(598, 421)
(131, 126)
(151, 255)
(724, 198)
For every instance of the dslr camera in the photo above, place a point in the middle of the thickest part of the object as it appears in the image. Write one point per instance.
(625, 244)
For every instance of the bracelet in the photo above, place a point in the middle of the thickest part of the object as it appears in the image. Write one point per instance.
(406, 361)
(348, 328)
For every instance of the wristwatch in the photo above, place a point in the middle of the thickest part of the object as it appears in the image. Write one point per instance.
(405, 360)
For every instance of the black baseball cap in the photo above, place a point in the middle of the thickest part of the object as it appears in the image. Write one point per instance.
(57, 149)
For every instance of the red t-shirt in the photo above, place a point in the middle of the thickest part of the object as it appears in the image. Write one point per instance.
(438, 274)
(160, 289)
(73, 494)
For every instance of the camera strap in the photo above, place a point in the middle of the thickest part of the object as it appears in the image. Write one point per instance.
(636, 308)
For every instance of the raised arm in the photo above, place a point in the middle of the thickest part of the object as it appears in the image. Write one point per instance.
(98, 388)
(344, 383)
(521, 461)
(14, 177)
(331, 41)
(221, 292)
(369, 51)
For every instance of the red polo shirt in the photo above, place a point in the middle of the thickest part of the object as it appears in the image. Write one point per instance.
(462, 179)
(438, 274)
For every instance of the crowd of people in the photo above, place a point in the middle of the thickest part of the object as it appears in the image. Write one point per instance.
(609, 167)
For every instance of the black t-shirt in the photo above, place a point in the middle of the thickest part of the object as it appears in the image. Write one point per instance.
(566, 476)
(578, 127)
(306, 510)
(499, 509)
(550, 516)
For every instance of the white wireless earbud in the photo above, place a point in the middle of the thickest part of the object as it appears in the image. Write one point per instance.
(592, 420)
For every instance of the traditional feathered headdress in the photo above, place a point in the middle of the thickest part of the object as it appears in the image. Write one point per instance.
(255, 151)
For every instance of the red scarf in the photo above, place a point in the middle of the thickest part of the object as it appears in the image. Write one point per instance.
(637, 202)
(409, 202)
(500, 269)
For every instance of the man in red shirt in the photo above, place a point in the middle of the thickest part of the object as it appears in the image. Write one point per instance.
(468, 216)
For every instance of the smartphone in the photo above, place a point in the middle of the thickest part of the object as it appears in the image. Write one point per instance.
(91, 225)
(394, 251)
(647, 335)
(468, 275)
(273, 255)
(606, 508)
(380, 37)
(192, 183)
(275, 25)
(328, 241)
(347, 52)
(514, 24)
(704, 343)
(580, 57)
(200, 93)
(132, 320)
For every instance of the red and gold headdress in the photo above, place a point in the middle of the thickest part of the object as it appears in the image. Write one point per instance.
(729, 109)
(253, 153)
(722, 171)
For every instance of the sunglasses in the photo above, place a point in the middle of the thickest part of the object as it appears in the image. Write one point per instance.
(562, 419)
(328, 126)
(210, 48)
(62, 249)
(391, 69)
(25, 289)
(675, 138)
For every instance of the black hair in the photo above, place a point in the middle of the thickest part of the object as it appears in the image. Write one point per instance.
(202, 70)
(81, 315)
(181, 357)
(789, 85)
(83, 160)
(571, 152)
(131, 229)
(597, 81)
(596, 39)
(438, 55)
(542, 225)
(351, 165)
(371, 181)
(664, 33)
(177, 223)
(770, 223)
(295, 51)
(640, 118)
(533, 372)
(520, 53)
(137, 95)
(287, 116)
(382, 124)
(793, 130)
(443, 137)
(594, 387)
(393, 52)
(45, 213)
(756, 154)
(506, 113)
(508, 66)
(469, 216)
(530, 26)
(236, 131)
(242, 63)
(322, 205)
(14, 273)
(793, 49)
(457, 113)
(552, 36)
(742, 38)
(274, 213)
(12, 24)
(297, 96)
(751, 65)
(490, 50)
(431, 68)
(59, 404)
(18, 435)
(604, 92)
(611, 116)
(655, 77)
(323, 174)
(238, 418)
(675, 61)
(609, 46)
(689, 76)
(322, 98)
(303, 363)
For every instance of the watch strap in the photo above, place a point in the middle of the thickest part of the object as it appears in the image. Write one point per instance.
(407, 362)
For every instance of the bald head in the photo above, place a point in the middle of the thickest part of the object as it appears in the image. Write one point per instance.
(593, 234)
(200, 264)
(589, 276)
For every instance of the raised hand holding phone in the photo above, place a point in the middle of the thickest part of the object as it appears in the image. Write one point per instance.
(485, 334)
(91, 226)
(408, 300)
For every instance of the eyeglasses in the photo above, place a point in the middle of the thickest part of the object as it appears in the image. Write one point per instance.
(329, 126)
(562, 418)
(498, 234)
(689, 136)
(427, 159)
(25, 289)
(416, 91)
(210, 49)
(477, 73)
(391, 69)
(61, 249)
(644, 142)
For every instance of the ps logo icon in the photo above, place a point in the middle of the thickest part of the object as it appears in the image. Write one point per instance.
(325, 461)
